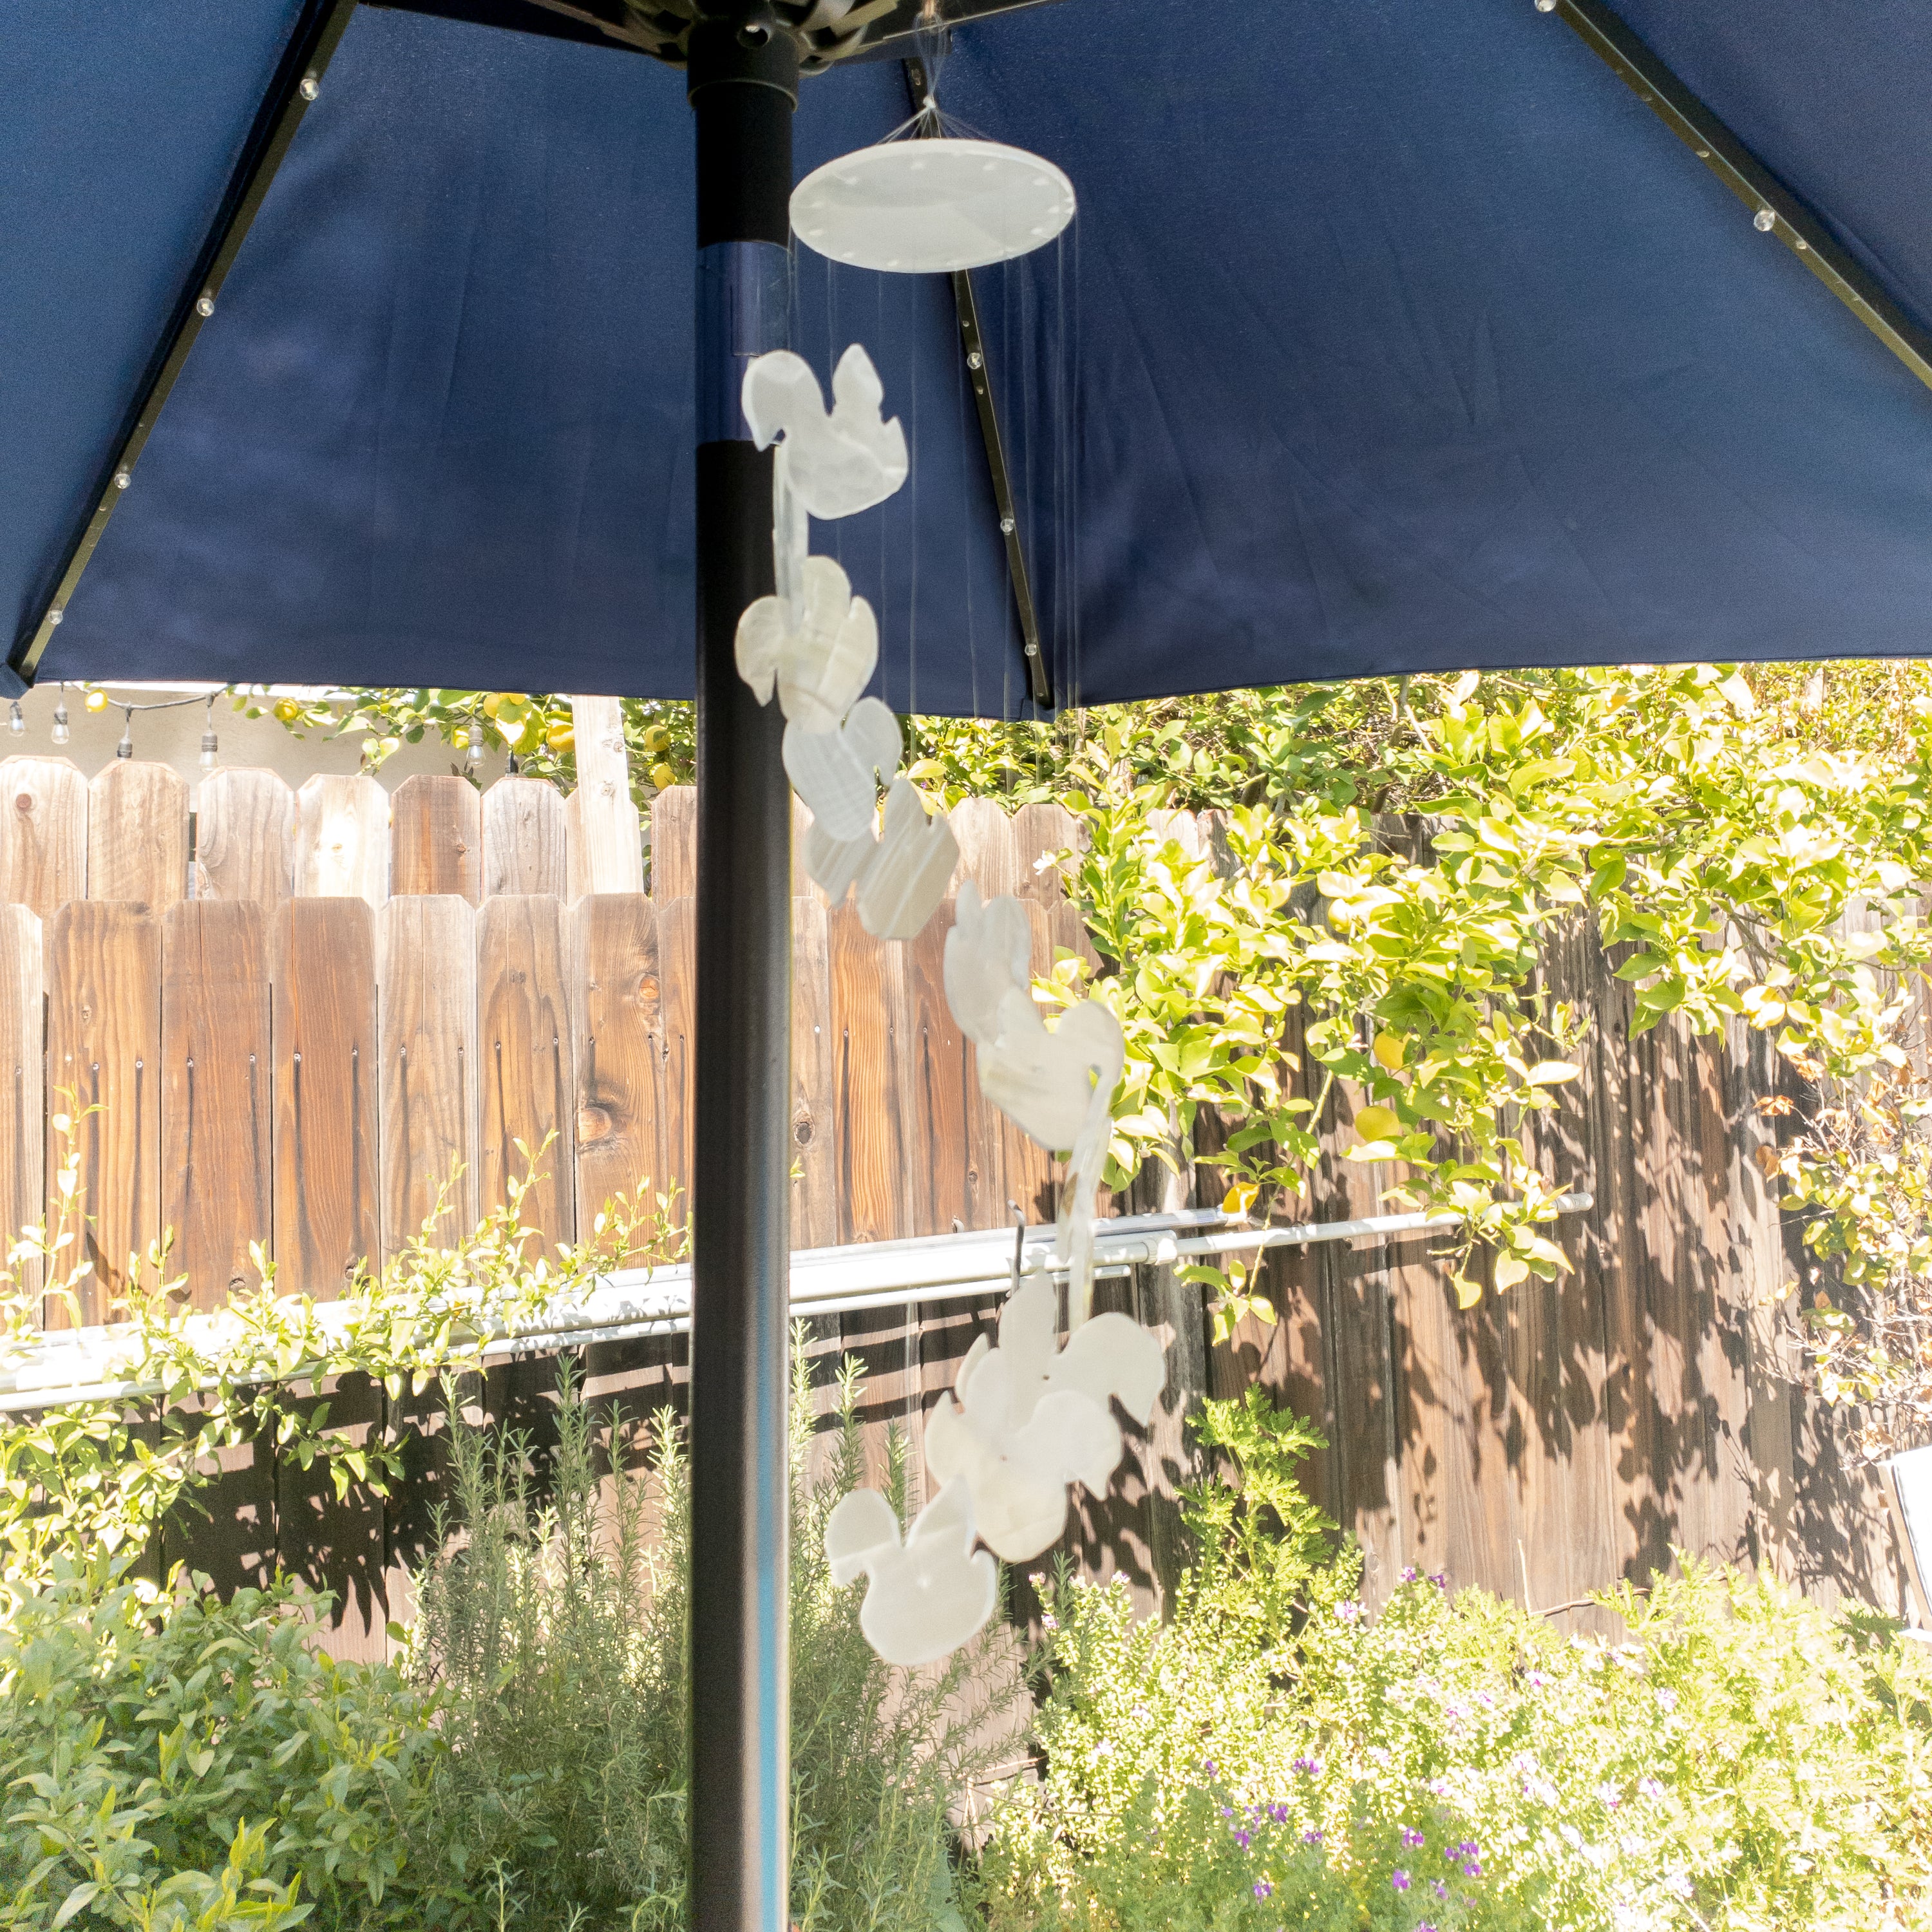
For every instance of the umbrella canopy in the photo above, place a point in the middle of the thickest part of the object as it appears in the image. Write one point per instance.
(1390, 336)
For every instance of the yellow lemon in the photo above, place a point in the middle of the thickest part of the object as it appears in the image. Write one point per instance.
(662, 776)
(287, 710)
(1388, 1051)
(560, 738)
(1377, 1123)
(656, 740)
(97, 700)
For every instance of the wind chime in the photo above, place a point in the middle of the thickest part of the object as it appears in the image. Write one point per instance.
(1027, 1418)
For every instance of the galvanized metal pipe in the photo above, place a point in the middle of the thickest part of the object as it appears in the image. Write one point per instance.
(640, 1302)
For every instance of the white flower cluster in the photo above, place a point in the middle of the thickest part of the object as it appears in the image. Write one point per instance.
(1029, 1419)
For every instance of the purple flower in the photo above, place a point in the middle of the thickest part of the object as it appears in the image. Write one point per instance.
(1649, 1787)
(1411, 1574)
(1263, 1889)
(1483, 1698)
(1539, 1680)
(1348, 1610)
(1398, 1879)
(1309, 1766)
(1311, 1837)
(1241, 1838)
(1411, 1837)
(1227, 1811)
(1427, 1925)
(1441, 1890)
(1207, 1767)
(1470, 1869)
(1440, 1578)
(1277, 1814)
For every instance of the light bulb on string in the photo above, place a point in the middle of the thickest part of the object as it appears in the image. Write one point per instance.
(211, 745)
(16, 723)
(125, 749)
(62, 734)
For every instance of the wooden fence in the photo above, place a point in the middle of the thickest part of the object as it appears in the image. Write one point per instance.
(295, 1010)
(296, 1013)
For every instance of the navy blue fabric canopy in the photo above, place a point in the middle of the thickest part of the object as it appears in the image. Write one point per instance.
(1392, 335)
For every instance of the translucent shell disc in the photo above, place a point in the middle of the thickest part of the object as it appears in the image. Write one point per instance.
(923, 207)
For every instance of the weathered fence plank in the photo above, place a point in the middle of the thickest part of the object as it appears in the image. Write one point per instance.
(677, 965)
(868, 1007)
(958, 1180)
(342, 838)
(103, 975)
(814, 1144)
(988, 852)
(674, 844)
(137, 833)
(436, 838)
(1039, 832)
(426, 967)
(217, 1104)
(604, 838)
(524, 840)
(245, 841)
(327, 1198)
(23, 1067)
(616, 1031)
(339, 1543)
(42, 833)
(524, 1059)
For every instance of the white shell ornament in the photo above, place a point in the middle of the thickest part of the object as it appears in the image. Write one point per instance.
(839, 461)
(820, 667)
(906, 880)
(926, 206)
(1047, 1082)
(1029, 1418)
(837, 773)
(926, 1597)
(988, 954)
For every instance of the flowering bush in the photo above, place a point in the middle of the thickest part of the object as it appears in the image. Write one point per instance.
(1740, 1760)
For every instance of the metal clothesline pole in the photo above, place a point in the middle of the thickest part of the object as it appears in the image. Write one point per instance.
(73, 1366)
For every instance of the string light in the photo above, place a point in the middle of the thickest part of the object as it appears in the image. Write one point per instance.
(62, 734)
(16, 723)
(125, 749)
(211, 745)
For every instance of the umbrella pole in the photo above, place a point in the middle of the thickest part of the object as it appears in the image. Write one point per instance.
(743, 71)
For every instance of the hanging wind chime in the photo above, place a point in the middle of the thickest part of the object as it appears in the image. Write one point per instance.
(1026, 1418)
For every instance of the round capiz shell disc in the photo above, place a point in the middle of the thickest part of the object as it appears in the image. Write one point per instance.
(921, 207)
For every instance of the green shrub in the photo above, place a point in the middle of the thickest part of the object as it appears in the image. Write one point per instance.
(553, 1630)
(1742, 1761)
(196, 1765)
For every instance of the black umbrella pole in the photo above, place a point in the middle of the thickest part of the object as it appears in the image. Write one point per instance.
(743, 73)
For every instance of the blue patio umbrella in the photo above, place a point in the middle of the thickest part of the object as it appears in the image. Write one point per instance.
(1393, 335)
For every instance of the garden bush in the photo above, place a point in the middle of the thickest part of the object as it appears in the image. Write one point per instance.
(552, 1629)
(197, 1768)
(1738, 1760)
(171, 1762)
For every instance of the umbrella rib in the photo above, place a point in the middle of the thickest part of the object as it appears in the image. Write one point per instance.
(298, 79)
(1777, 209)
(972, 345)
